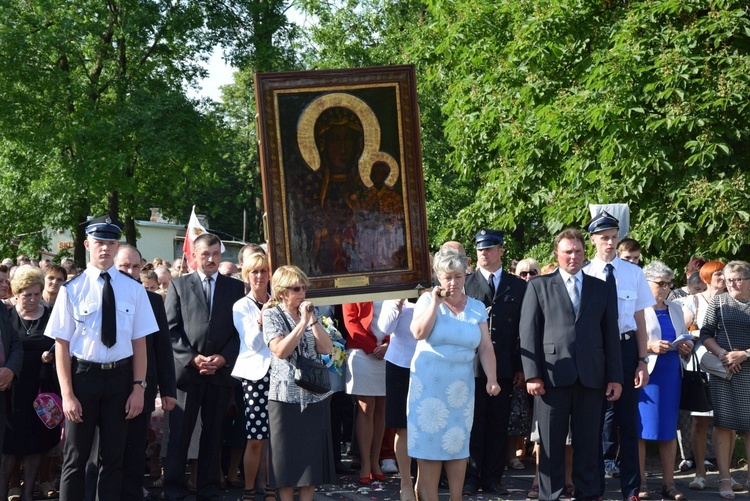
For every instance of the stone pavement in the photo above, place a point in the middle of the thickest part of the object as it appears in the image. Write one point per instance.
(516, 481)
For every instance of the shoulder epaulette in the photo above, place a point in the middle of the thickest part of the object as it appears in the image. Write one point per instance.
(129, 276)
(72, 279)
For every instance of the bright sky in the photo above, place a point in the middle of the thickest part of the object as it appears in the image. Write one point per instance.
(220, 73)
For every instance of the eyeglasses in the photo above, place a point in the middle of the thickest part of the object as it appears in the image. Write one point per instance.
(298, 288)
(524, 274)
(663, 285)
(735, 281)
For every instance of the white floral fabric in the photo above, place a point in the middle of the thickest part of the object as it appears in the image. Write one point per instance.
(440, 407)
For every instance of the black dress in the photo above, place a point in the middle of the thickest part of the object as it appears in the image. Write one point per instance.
(25, 432)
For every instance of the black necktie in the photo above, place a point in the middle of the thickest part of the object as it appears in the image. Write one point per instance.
(109, 315)
(491, 283)
(207, 292)
(609, 273)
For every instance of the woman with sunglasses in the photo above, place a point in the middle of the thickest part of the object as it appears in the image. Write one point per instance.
(527, 268)
(301, 451)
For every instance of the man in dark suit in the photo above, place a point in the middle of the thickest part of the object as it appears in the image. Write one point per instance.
(502, 294)
(570, 350)
(205, 344)
(10, 365)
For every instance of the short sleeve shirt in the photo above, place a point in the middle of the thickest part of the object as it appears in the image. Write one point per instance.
(633, 292)
(77, 316)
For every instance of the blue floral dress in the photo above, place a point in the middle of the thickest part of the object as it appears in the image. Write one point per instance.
(440, 408)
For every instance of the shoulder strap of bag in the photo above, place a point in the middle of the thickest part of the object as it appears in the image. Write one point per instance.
(723, 325)
(283, 317)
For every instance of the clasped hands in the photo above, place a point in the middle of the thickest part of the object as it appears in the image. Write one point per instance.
(208, 365)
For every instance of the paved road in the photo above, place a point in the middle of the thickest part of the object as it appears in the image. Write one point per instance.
(517, 482)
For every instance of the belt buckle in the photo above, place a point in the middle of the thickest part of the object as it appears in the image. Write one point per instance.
(625, 336)
(108, 366)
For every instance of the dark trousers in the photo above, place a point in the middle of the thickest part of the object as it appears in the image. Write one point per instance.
(610, 439)
(626, 419)
(559, 409)
(103, 395)
(211, 401)
(489, 433)
(342, 417)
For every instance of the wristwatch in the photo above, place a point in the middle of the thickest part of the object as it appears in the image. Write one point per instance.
(643, 359)
(141, 383)
(747, 354)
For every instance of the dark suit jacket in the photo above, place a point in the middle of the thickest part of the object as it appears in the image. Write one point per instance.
(559, 347)
(160, 369)
(193, 332)
(504, 315)
(13, 351)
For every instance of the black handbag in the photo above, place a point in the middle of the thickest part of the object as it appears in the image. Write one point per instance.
(695, 394)
(310, 374)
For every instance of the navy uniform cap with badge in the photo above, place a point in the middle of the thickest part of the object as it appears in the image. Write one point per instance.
(104, 228)
(601, 222)
(488, 238)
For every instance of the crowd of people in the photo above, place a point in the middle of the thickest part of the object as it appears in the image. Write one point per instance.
(579, 360)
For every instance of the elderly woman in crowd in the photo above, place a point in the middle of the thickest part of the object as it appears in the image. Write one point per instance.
(54, 277)
(395, 318)
(300, 439)
(252, 368)
(694, 308)
(449, 328)
(26, 437)
(726, 334)
(659, 402)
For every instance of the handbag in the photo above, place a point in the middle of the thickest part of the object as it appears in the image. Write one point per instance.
(310, 374)
(709, 362)
(695, 393)
(48, 407)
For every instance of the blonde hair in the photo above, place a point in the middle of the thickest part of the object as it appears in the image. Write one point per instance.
(529, 263)
(27, 276)
(255, 261)
(286, 277)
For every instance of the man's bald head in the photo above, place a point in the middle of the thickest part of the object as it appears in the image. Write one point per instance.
(454, 245)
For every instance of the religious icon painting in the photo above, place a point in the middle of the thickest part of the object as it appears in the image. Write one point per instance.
(342, 179)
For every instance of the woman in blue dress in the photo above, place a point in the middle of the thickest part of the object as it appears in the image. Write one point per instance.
(659, 401)
(440, 408)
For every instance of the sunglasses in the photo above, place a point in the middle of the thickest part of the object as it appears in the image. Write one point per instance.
(524, 274)
(298, 288)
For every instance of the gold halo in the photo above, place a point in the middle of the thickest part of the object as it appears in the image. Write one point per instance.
(371, 130)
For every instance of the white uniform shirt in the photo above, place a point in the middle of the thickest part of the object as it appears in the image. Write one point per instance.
(633, 292)
(77, 315)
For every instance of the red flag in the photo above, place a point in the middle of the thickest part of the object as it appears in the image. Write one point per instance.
(194, 229)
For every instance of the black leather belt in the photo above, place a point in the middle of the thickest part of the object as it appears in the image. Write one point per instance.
(108, 366)
(627, 335)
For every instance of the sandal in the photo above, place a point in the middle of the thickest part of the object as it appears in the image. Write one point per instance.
(669, 491)
(726, 494)
(736, 486)
(533, 492)
(569, 490)
(248, 495)
(269, 494)
(643, 492)
(48, 490)
(698, 483)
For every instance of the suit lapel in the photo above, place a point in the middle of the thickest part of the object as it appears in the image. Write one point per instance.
(502, 285)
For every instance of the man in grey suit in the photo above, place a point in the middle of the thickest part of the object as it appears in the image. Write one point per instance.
(205, 344)
(570, 351)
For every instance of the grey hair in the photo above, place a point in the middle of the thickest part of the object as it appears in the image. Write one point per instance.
(449, 260)
(738, 266)
(657, 269)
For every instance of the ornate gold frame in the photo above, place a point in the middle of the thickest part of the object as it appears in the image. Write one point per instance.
(380, 248)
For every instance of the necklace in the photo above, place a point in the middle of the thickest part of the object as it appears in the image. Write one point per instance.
(457, 306)
(31, 325)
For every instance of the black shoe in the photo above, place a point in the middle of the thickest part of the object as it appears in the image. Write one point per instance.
(496, 488)
(469, 490)
(343, 469)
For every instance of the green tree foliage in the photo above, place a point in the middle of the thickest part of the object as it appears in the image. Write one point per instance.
(532, 110)
(554, 105)
(94, 115)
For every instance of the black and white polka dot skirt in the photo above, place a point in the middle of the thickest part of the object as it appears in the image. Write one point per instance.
(255, 395)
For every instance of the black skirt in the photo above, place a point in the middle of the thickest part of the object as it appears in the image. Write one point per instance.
(397, 382)
(301, 453)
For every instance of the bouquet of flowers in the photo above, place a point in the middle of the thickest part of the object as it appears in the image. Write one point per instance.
(337, 359)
